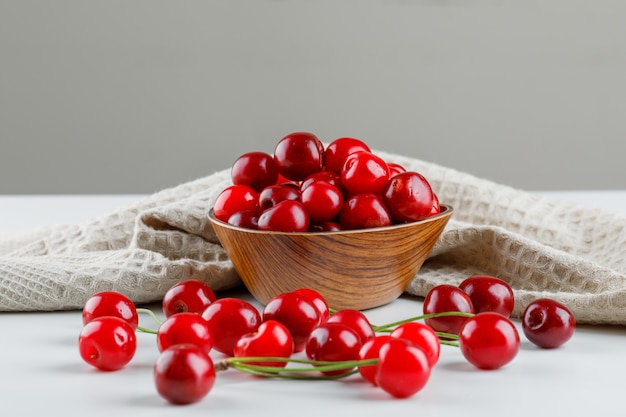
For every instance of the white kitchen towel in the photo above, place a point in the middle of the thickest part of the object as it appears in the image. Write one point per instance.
(542, 247)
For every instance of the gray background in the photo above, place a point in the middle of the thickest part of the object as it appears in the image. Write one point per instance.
(134, 96)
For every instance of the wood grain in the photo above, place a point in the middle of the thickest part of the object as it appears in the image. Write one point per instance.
(357, 269)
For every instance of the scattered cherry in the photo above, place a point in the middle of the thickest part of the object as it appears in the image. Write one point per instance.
(548, 323)
(447, 298)
(229, 319)
(189, 296)
(110, 303)
(489, 340)
(333, 342)
(297, 312)
(403, 368)
(184, 328)
(489, 293)
(421, 335)
(272, 339)
(107, 343)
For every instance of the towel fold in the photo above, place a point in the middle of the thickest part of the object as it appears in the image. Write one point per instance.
(541, 247)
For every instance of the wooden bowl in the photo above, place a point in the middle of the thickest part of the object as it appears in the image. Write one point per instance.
(356, 269)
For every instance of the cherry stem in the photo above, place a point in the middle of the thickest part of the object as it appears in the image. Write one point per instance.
(154, 317)
(243, 364)
(389, 326)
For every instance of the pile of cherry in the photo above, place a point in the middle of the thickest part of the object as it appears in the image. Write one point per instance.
(304, 186)
(297, 336)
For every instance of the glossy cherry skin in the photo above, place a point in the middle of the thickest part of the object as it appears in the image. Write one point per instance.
(229, 319)
(110, 303)
(408, 197)
(325, 227)
(330, 177)
(274, 194)
(297, 313)
(364, 211)
(254, 169)
(333, 342)
(364, 172)
(395, 169)
(489, 293)
(370, 350)
(318, 300)
(233, 199)
(356, 320)
(338, 150)
(436, 209)
(286, 216)
(107, 343)
(184, 328)
(489, 340)
(192, 296)
(548, 323)
(446, 298)
(299, 155)
(422, 336)
(403, 368)
(272, 339)
(322, 201)
(184, 374)
(245, 219)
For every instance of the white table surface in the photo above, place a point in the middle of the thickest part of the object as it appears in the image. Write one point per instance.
(42, 374)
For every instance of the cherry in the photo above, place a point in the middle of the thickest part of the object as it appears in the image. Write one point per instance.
(364, 172)
(286, 216)
(548, 323)
(333, 342)
(436, 209)
(322, 201)
(272, 339)
(364, 211)
(324, 227)
(395, 169)
(408, 197)
(254, 169)
(356, 320)
(184, 328)
(446, 298)
(191, 295)
(274, 194)
(110, 303)
(233, 199)
(107, 343)
(299, 155)
(245, 219)
(318, 300)
(297, 313)
(489, 340)
(403, 368)
(229, 319)
(330, 177)
(489, 294)
(184, 374)
(338, 150)
(422, 336)
(370, 350)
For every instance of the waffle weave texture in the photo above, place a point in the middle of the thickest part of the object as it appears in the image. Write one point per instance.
(541, 247)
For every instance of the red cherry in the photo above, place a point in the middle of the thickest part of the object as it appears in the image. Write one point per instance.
(395, 169)
(338, 150)
(110, 303)
(489, 294)
(322, 200)
(422, 336)
(274, 194)
(408, 197)
(286, 216)
(333, 342)
(254, 169)
(184, 328)
(233, 199)
(356, 320)
(299, 155)
(364, 211)
(548, 323)
(324, 227)
(330, 177)
(245, 219)
(364, 172)
(191, 295)
(229, 319)
(318, 300)
(445, 298)
(371, 350)
(436, 209)
(184, 374)
(107, 343)
(272, 339)
(297, 313)
(403, 368)
(489, 340)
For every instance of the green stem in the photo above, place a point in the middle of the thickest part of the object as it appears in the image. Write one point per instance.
(388, 326)
(154, 317)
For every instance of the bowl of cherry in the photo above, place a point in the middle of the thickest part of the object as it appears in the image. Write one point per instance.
(337, 218)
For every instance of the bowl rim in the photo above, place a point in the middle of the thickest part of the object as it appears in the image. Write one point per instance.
(446, 210)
